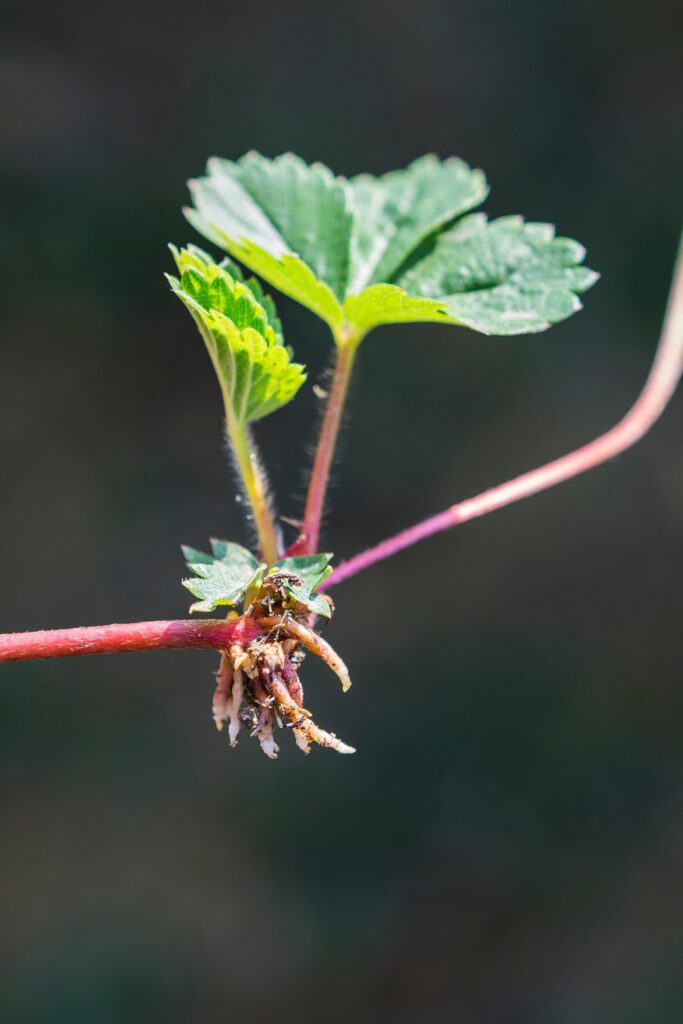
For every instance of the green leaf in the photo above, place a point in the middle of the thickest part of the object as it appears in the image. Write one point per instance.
(293, 278)
(285, 220)
(223, 577)
(311, 570)
(242, 334)
(257, 291)
(389, 249)
(385, 303)
(395, 213)
(503, 276)
(305, 204)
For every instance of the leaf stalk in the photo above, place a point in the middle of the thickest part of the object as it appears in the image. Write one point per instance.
(347, 341)
(256, 489)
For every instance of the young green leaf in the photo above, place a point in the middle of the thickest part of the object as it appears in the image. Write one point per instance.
(242, 334)
(261, 297)
(389, 249)
(223, 577)
(311, 570)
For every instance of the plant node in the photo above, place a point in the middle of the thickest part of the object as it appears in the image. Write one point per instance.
(257, 683)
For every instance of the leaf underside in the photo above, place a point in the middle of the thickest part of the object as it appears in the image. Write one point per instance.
(367, 251)
(242, 334)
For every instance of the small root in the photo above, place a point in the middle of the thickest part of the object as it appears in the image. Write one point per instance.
(291, 678)
(235, 705)
(222, 697)
(305, 730)
(312, 641)
(264, 733)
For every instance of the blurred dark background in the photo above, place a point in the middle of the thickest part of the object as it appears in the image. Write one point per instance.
(507, 844)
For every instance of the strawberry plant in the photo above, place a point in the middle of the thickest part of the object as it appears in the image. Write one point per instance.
(358, 253)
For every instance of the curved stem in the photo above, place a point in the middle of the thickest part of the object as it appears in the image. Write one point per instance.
(130, 636)
(659, 387)
(324, 454)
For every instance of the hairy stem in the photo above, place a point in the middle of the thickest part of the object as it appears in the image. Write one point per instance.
(130, 636)
(659, 387)
(249, 467)
(347, 344)
(256, 490)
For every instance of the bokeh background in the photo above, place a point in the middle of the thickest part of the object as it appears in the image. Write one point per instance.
(507, 844)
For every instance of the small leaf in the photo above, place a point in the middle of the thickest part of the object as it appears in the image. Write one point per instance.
(242, 334)
(311, 570)
(225, 576)
(261, 297)
(222, 578)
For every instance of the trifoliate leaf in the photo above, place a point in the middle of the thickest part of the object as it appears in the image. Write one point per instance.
(223, 577)
(374, 250)
(311, 570)
(242, 334)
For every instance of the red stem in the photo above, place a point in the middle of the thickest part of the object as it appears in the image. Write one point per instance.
(659, 387)
(129, 636)
(307, 543)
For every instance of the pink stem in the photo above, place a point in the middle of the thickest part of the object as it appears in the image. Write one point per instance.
(307, 543)
(659, 387)
(129, 636)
